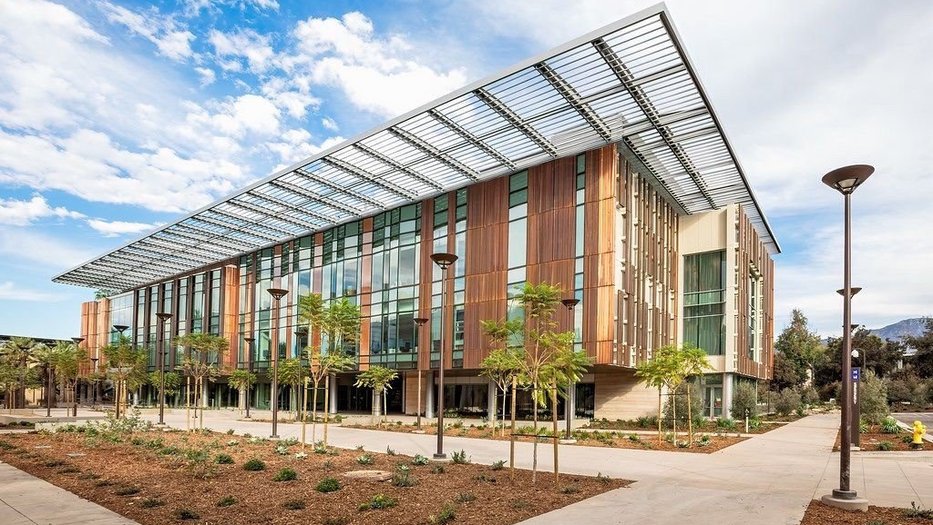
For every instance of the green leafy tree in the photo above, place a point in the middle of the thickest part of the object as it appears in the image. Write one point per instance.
(695, 362)
(125, 365)
(68, 359)
(873, 398)
(800, 347)
(923, 344)
(882, 356)
(564, 369)
(15, 353)
(503, 365)
(242, 380)
(379, 378)
(44, 358)
(289, 373)
(172, 382)
(202, 353)
(338, 322)
(745, 401)
(654, 373)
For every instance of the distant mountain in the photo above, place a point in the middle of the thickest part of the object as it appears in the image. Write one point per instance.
(906, 327)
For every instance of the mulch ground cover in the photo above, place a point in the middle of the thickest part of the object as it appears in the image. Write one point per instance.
(157, 477)
(877, 441)
(596, 438)
(732, 426)
(820, 514)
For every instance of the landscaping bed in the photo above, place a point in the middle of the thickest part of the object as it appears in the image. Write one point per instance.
(593, 438)
(877, 441)
(157, 477)
(821, 514)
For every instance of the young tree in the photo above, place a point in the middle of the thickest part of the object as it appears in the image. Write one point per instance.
(243, 380)
(15, 354)
(202, 353)
(125, 364)
(68, 359)
(695, 362)
(338, 322)
(503, 365)
(378, 378)
(563, 370)
(923, 344)
(658, 372)
(172, 382)
(289, 373)
(800, 347)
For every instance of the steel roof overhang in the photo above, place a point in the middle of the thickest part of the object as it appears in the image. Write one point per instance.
(630, 82)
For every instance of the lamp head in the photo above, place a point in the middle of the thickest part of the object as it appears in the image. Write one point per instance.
(846, 179)
(443, 259)
(120, 328)
(277, 293)
(853, 290)
(570, 303)
(420, 320)
(163, 316)
(77, 340)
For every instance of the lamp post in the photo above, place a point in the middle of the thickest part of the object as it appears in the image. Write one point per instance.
(94, 361)
(277, 294)
(845, 180)
(301, 396)
(160, 342)
(117, 391)
(855, 416)
(74, 390)
(420, 322)
(249, 368)
(570, 303)
(443, 261)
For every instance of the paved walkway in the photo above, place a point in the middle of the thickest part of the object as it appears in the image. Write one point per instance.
(769, 479)
(26, 499)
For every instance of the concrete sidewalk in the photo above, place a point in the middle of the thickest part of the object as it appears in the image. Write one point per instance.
(26, 499)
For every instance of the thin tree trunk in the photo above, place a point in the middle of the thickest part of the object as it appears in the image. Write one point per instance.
(188, 403)
(502, 423)
(512, 432)
(554, 437)
(674, 412)
(534, 447)
(660, 418)
(314, 413)
(326, 408)
(689, 418)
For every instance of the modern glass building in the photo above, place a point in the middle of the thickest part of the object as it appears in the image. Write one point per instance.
(599, 166)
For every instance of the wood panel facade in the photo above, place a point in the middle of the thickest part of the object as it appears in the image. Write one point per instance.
(754, 267)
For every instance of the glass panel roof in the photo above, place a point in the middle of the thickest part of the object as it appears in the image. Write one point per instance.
(629, 82)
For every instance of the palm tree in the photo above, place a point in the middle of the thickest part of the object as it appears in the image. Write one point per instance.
(45, 357)
(15, 353)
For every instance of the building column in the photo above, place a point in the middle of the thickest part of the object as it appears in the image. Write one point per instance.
(491, 403)
(727, 381)
(241, 402)
(429, 395)
(570, 404)
(332, 385)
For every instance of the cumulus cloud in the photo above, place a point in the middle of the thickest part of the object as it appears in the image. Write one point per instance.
(207, 75)
(117, 228)
(22, 212)
(170, 39)
(243, 44)
(329, 123)
(9, 291)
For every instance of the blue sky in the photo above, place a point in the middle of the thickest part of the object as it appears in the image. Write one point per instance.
(119, 116)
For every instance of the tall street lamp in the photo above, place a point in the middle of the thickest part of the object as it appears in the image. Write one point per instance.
(117, 391)
(420, 322)
(74, 390)
(94, 361)
(160, 343)
(570, 303)
(277, 295)
(443, 261)
(845, 180)
(249, 368)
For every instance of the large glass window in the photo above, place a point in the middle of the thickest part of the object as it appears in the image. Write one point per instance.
(518, 242)
(704, 301)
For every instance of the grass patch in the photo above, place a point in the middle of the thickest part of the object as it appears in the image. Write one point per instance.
(446, 515)
(465, 497)
(226, 501)
(254, 465)
(186, 514)
(327, 484)
(150, 503)
(224, 459)
(126, 491)
(286, 474)
(379, 501)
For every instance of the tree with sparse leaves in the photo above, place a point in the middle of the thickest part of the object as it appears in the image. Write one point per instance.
(379, 378)
(503, 365)
(202, 353)
(125, 365)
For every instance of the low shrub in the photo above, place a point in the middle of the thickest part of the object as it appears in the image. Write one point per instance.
(603, 479)
(226, 501)
(438, 469)
(725, 423)
(787, 402)
(402, 477)
(465, 497)
(917, 511)
(254, 465)
(366, 459)
(54, 463)
(224, 459)
(186, 514)
(446, 515)
(285, 474)
(379, 501)
(419, 460)
(498, 465)
(460, 458)
(389, 451)
(889, 426)
(126, 491)
(570, 489)
(745, 400)
(885, 446)
(150, 503)
(327, 484)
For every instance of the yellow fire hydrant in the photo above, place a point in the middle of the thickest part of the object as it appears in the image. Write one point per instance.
(919, 431)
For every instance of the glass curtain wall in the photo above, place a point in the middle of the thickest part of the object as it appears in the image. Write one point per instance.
(441, 220)
(395, 277)
(704, 301)
(518, 238)
(459, 269)
(580, 227)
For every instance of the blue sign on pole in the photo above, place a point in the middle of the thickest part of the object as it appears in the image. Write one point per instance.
(856, 374)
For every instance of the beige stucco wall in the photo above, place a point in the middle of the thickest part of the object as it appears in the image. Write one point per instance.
(620, 395)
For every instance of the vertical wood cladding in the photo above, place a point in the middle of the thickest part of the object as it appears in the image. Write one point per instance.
(599, 234)
(487, 257)
(752, 256)
(424, 286)
(230, 310)
(366, 295)
(647, 286)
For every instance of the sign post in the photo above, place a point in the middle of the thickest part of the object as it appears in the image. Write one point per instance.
(856, 413)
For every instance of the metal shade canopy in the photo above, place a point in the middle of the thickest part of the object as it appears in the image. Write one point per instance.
(847, 178)
(629, 83)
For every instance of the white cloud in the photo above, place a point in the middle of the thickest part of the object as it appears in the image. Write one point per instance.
(193, 8)
(21, 212)
(9, 291)
(207, 75)
(329, 123)
(31, 248)
(116, 228)
(377, 74)
(171, 40)
(243, 43)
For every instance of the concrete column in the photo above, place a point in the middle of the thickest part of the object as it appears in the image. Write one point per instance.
(570, 404)
(241, 402)
(204, 395)
(727, 380)
(332, 385)
(429, 395)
